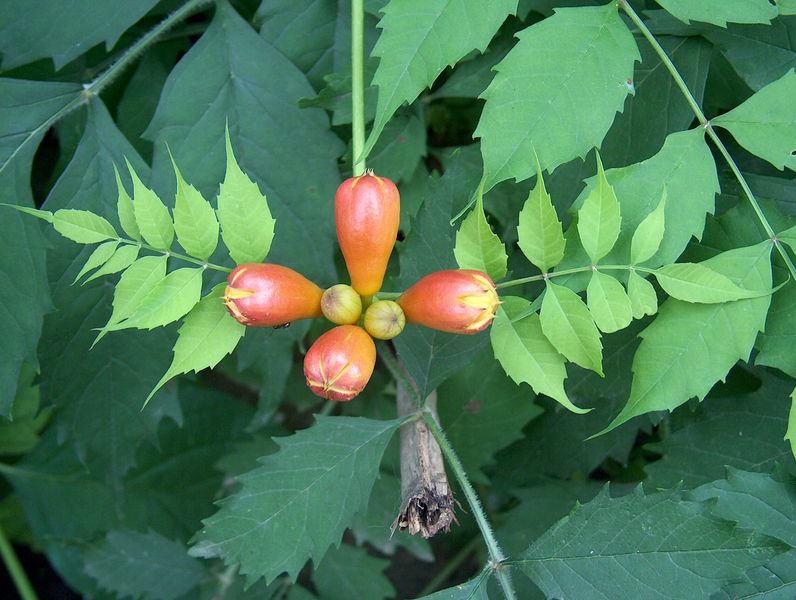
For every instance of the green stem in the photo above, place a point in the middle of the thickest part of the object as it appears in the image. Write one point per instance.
(440, 578)
(358, 84)
(195, 261)
(546, 276)
(711, 133)
(497, 558)
(18, 575)
(95, 87)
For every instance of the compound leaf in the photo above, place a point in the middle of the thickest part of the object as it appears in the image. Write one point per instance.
(300, 501)
(556, 92)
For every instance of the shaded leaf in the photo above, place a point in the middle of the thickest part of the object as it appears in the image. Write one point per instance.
(790, 434)
(349, 572)
(474, 589)
(302, 497)
(719, 12)
(580, 58)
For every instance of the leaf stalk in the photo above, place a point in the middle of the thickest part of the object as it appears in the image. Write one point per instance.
(14, 567)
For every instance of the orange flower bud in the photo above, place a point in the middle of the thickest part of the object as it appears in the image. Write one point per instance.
(367, 211)
(340, 362)
(462, 301)
(263, 295)
(384, 320)
(341, 304)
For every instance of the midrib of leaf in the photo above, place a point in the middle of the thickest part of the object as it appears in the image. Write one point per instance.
(303, 493)
(544, 559)
(569, 76)
(95, 87)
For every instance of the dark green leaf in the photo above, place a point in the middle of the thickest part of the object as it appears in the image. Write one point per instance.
(349, 572)
(299, 502)
(719, 12)
(474, 589)
(401, 148)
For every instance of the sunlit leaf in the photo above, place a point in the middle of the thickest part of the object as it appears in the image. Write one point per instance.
(643, 299)
(599, 220)
(541, 238)
(194, 220)
(151, 215)
(478, 247)
(608, 303)
(648, 235)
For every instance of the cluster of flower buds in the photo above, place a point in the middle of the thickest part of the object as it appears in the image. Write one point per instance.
(340, 362)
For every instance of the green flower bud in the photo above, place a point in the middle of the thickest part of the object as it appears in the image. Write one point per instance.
(384, 320)
(341, 304)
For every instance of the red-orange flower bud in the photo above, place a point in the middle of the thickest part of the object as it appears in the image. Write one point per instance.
(456, 301)
(339, 364)
(367, 211)
(263, 295)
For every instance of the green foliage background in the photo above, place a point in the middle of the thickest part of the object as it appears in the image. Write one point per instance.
(226, 485)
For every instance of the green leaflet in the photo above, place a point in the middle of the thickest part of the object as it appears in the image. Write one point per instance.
(246, 222)
(541, 238)
(789, 237)
(527, 355)
(194, 219)
(151, 215)
(648, 235)
(208, 334)
(122, 258)
(643, 299)
(478, 247)
(720, 12)
(660, 543)
(689, 347)
(569, 72)
(162, 566)
(311, 487)
(599, 220)
(474, 589)
(696, 282)
(125, 209)
(569, 326)
(134, 285)
(169, 299)
(419, 39)
(82, 226)
(608, 303)
(766, 123)
(98, 258)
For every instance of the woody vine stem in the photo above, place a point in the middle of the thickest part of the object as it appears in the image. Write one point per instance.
(496, 556)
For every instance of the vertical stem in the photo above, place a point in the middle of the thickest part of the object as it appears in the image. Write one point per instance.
(495, 552)
(18, 575)
(711, 134)
(358, 84)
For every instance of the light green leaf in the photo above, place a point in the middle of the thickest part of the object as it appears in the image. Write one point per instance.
(660, 545)
(557, 91)
(599, 220)
(766, 123)
(83, 226)
(648, 235)
(208, 334)
(643, 299)
(541, 237)
(246, 222)
(134, 285)
(569, 326)
(721, 12)
(789, 237)
(170, 299)
(44, 215)
(123, 258)
(419, 39)
(790, 435)
(151, 215)
(98, 258)
(786, 7)
(608, 303)
(696, 282)
(142, 565)
(349, 572)
(689, 347)
(125, 209)
(526, 354)
(478, 247)
(194, 219)
(300, 501)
